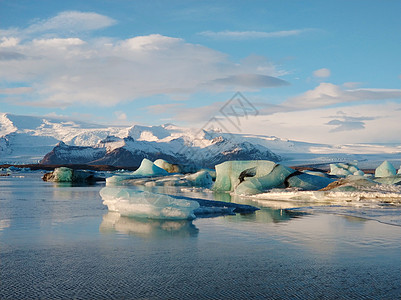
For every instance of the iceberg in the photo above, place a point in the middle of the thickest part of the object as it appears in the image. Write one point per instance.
(143, 204)
(170, 168)
(146, 169)
(254, 177)
(255, 185)
(230, 173)
(200, 179)
(386, 169)
(308, 182)
(345, 169)
(64, 174)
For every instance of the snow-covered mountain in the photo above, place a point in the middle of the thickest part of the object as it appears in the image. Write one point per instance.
(51, 140)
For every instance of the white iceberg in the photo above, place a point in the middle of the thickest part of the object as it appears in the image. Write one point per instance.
(170, 168)
(345, 169)
(146, 169)
(133, 203)
(386, 169)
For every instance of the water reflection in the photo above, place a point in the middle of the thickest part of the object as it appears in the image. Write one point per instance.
(114, 222)
(268, 215)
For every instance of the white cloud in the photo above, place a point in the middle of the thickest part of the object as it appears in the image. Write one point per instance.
(68, 71)
(251, 34)
(8, 42)
(322, 73)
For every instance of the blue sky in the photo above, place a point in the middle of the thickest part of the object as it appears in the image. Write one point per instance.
(319, 71)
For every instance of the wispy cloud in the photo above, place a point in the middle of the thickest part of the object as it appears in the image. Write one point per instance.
(327, 94)
(67, 22)
(344, 122)
(227, 34)
(242, 81)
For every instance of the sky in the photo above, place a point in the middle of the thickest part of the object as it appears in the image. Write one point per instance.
(315, 71)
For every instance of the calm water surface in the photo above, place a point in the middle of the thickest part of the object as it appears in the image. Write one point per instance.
(60, 242)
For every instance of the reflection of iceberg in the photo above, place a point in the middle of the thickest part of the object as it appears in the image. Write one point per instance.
(114, 222)
(133, 203)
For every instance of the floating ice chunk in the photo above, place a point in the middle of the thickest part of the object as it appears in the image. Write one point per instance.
(64, 174)
(200, 179)
(308, 182)
(399, 171)
(147, 168)
(132, 203)
(170, 168)
(275, 179)
(228, 173)
(345, 169)
(386, 169)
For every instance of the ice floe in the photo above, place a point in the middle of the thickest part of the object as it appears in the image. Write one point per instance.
(143, 204)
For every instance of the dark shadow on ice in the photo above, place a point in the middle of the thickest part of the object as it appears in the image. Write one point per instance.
(113, 222)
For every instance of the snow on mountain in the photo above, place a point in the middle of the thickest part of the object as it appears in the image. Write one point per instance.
(52, 140)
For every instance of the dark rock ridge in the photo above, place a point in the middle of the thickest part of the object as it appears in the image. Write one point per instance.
(177, 151)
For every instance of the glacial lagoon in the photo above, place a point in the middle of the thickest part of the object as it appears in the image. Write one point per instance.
(58, 241)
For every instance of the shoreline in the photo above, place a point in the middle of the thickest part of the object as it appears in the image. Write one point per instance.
(324, 168)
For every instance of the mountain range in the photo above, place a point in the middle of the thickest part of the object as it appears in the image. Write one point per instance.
(56, 140)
